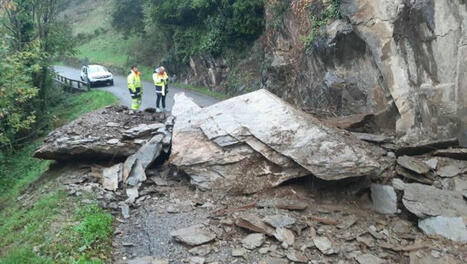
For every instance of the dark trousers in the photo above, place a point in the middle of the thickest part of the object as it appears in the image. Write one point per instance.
(160, 98)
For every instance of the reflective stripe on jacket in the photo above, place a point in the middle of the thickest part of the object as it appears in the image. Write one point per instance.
(160, 79)
(134, 81)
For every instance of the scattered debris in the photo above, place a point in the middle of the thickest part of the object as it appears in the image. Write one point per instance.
(255, 224)
(369, 259)
(278, 221)
(324, 245)
(253, 241)
(296, 256)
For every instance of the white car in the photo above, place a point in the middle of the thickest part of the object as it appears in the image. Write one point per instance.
(96, 74)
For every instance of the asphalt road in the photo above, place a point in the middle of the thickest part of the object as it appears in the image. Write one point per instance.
(120, 90)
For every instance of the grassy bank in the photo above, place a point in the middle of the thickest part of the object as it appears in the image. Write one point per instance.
(49, 226)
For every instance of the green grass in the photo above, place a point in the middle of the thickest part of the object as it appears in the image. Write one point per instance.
(23, 228)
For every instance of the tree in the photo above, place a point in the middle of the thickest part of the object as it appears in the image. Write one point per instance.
(128, 17)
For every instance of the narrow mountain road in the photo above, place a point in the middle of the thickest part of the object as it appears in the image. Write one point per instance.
(120, 90)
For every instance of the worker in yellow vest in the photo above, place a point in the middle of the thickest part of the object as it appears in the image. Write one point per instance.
(161, 82)
(136, 88)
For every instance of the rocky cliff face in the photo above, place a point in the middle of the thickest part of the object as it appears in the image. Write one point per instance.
(405, 57)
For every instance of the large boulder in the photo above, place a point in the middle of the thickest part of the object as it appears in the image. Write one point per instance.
(257, 141)
(106, 134)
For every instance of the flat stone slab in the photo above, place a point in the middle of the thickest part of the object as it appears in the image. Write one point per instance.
(449, 227)
(427, 201)
(279, 220)
(218, 145)
(413, 164)
(460, 153)
(384, 199)
(193, 236)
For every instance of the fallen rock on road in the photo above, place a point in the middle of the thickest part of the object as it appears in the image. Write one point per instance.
(101, 135)
(256, 141)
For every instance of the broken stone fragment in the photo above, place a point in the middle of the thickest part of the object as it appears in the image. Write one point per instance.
(413, 164)
(255, 224)
(142, 130)
(193, 236)
(449, 171)
(112, 176)
(253, 241)
(460, 154)
(324, 245)
(238, 252)
(96, 135)
(202, 251)
(286, 144)
(277, 221)
(369, 259)
(285, 236)
(148, 260)
(296, 256)
(271, 260)
(125, 210)
(449, 227)
(384, 199)
(426, 201)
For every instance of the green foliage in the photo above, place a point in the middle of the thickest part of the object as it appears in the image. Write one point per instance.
(207, 26)
(17, 91)
(22, 228)
(320, 16)
(278, 8)
(128, 17)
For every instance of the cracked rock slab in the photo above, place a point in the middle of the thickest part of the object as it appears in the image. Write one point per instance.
(215, 145)
(427, 201)
(194, 235)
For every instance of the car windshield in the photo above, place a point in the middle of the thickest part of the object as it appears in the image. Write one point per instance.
(96, 69)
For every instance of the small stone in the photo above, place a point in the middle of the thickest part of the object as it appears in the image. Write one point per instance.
(255, 224)
(272, 260)
(374, 233)
(113, 141)
(172, 209)
(413, 164)
(201, 251)
(285, 236)
(197, 260)
(279, 220)
(369, 259)
(384, 199)
(128, 244)
(296, 256)
(398, 184)
(449, 171)
(449, 227)
(324, 245)
(263, 250)
(194, 236)
(253, 241)
(432, 163)
(125, 210)
(238, 252)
